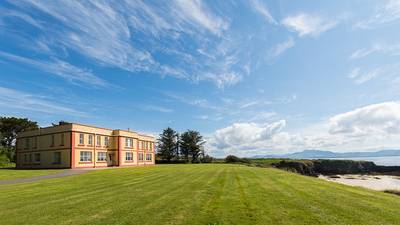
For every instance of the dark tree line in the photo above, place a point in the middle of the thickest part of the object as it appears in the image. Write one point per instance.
(187, 147)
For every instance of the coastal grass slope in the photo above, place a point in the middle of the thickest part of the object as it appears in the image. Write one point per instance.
(194, 194)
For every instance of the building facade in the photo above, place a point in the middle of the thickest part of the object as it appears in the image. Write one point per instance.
(81, 146)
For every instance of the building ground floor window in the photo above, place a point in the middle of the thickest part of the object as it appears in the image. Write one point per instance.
(148, 157)
(36, 158)
(85, 156)
(129, 156)
(56, 157)
(101, 156)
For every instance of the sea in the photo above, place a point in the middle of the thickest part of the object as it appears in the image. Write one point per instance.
(381, 161)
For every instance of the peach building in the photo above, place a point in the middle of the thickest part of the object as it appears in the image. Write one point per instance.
(75, 145)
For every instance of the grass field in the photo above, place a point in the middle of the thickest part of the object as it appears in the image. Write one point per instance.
(194, 194)
(11, 173)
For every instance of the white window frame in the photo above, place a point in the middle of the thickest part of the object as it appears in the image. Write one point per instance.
(98, 140)
(149, 158)
(129, 142)
(85, 156)
(128, 156)
(106, 141)
(141, 157)
(81, 139)
(90, 139)
(101, 158)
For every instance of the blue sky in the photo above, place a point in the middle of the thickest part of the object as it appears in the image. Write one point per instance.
(254, 77)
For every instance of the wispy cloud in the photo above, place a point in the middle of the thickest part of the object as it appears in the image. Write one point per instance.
(280, 48)
(387, 12)
(262, 9)
(362, 76)
(308, 25)
(14, 99)
(119, 35)
(393, 50)
(58, 67)
(196, 12)
(157, 108)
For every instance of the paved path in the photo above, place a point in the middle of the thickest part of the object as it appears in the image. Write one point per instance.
(64, 173)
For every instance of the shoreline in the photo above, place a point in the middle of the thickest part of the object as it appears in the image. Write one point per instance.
(370, 181)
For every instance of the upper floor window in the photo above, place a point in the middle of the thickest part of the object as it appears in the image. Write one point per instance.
(106, 141)
(90, 141)
(129, 156)
(98, 140)
(35, 140)
(62, 140)
(57, 158)
(27, 140)
(129, 142)
(85, 156)
(52, 140)
(81, 139)
(140, 156)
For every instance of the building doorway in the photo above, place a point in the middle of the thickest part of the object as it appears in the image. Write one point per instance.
(110, 159)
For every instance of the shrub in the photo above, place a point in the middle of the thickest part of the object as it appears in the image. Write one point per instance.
(4, 160)
(395, 192)
(207, 159)
(235, 159)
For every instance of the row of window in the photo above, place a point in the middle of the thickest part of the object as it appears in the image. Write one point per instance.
(37, 158)
(27, 144)
(146, 145)
(90, 140)
(86, 156)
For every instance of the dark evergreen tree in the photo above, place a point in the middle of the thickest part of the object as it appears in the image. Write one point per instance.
(191, 145)
(167, 144)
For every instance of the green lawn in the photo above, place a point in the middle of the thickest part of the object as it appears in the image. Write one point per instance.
(194, 194)
(11, 173)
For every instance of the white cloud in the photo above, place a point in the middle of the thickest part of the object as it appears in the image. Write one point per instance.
(196, 12)
(60, 68)
(280, 48)
(128, 34)
(373, 127)
(387, 12)
(263, 10)
(308, 25)
(362, 76)
(14, 99)
(382, 118)
(392, 50)
(157, 108)
(245, 134)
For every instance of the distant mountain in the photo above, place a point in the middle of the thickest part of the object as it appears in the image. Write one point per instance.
(307, 154)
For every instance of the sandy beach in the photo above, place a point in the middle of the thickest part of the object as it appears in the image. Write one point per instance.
(375, 182)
